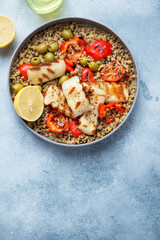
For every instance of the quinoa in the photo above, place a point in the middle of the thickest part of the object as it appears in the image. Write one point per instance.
(89, 33)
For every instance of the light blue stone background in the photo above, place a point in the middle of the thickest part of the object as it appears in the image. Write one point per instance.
(108, 191)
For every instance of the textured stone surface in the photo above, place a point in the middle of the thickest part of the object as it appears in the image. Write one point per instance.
(106, 191)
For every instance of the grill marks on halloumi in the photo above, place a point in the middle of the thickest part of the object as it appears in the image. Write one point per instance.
(115, 92)
(46, 71)
(55, 97)
(88, 121)
(75, 96)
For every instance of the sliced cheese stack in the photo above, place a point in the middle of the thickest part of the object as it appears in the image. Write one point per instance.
(88, 121)
(76, 98)
(55, 97)
(115, 92)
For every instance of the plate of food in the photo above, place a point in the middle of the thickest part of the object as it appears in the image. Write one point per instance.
(73, 82)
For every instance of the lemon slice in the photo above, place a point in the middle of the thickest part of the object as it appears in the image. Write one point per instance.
(7, 31)
(28, 103)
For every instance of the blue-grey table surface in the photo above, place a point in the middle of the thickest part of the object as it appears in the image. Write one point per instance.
(106, 191)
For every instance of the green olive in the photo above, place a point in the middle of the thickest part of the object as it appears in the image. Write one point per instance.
(84, 61)
(93, 66)
(53, 47)
(35, 61)
(42, 48)
(17, 87)
(63, 79)
(49, 57)
(39, 87)
(67, 34)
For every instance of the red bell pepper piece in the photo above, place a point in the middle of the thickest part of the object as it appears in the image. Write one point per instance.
(87, 75)
(109, 112)
(73, 127)
(53, 122)
(69, 62)
(23, 70)
(114, 72)
(69, 68)
(73, 57)
(99, 49)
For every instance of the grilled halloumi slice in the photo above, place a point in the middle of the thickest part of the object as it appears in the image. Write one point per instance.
(88, 121)
(46, 72)
(55, 97)
(115, 92)
(75, 96)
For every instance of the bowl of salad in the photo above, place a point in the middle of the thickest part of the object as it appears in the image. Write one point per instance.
(73, 82)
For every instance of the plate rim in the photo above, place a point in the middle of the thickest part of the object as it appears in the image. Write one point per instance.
(86, 21)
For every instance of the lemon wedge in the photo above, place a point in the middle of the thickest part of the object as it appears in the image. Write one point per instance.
(28, 103)
(7, 31)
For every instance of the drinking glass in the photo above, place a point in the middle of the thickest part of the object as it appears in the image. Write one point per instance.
(44, 6)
